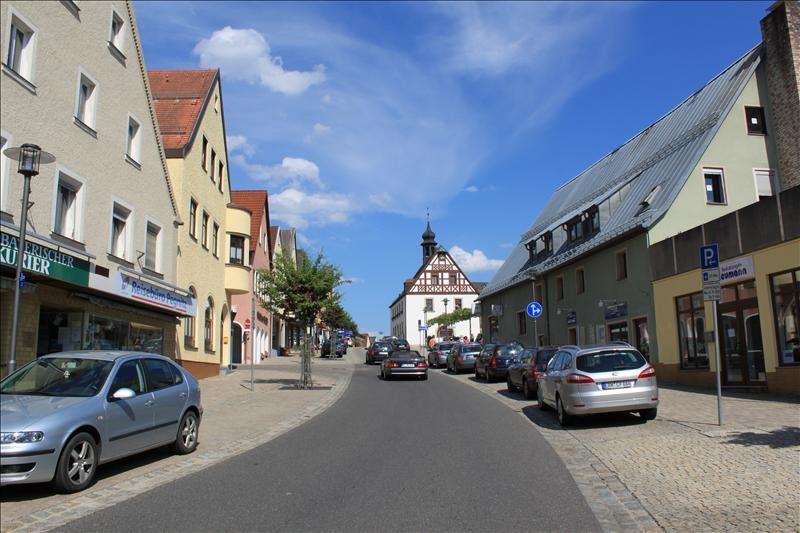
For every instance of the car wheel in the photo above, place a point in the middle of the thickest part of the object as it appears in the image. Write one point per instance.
(186, 441)
(77, 465)
(486, 377)
(648, 414)
(563, 417)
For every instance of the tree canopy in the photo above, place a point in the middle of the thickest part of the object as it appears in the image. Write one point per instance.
(335, 316)
(459, 315)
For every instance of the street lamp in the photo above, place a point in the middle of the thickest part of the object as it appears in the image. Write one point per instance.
(445, 301)
(30, 157)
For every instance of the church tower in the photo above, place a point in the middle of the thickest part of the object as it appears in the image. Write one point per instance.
(428, 243)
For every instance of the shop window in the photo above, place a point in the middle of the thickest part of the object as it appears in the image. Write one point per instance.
(120, 231)
(622, 265)
(68, 207)
(237, 250)
(151, 255)
(189, 326)
(755, 120)
(21, 44)
(209, 326)
(715, 185)
(786, 304)
(59, 331)
(193, 219)
(618, 332)
(522, 324)
(146, 338)
(580, 281)
(105, 333)
(691, 331)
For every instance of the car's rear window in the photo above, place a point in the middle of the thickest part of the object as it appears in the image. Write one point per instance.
(544, 356)
(509, 349)
(381, 346)
(610, 361)
(444, 345)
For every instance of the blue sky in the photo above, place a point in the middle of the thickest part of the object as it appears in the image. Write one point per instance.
(357, 117)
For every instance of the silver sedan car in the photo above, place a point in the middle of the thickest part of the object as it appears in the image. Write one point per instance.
(64, 414)
(598, 379)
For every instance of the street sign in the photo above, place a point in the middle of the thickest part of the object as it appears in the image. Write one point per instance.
(709, 261)
(247, 324)
(709, 256)
(21, 279)
(423, 327)
(534, 309)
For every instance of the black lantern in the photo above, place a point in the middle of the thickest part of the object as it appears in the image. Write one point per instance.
(29, 156)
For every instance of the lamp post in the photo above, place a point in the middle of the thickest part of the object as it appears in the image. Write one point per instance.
(445, 302)
(30, 157)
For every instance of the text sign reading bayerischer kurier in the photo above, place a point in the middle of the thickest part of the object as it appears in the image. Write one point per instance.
(534, 309)
(709, 262)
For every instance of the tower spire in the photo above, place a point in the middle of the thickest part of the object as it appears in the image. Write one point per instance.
(428, 239)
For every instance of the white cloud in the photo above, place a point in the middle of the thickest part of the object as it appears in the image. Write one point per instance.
(319, 130)
(244, 54)
(291, 171)
(471, 188)
(301, 210)
(476, 261)
(239, 143)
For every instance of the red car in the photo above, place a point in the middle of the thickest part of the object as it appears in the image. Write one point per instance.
(523, 373)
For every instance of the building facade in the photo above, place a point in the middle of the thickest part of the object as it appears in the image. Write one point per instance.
(212, 262)
(100, 258)
(438, 287)
(251, 337)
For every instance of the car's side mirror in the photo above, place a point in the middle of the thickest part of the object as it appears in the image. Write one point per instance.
(124, 394)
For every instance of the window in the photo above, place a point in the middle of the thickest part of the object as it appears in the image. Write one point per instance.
(151, 259)
(592, 220)
(213, 163)
(765, 182)
(220, 174)
(129, 376)
(786, 303)
(116, 39)
(755, 120)
(120, 234)
(21, 44)
(216, 103)
(452, 278)
(580, 281)
(715, 185)
(159, 374)
(204, 231)
(68, 207)
(459, 303)
(691, 331)
(522, 325)
(204, 154)
(188, 325)
(559, 288)
(86, 101)
(133, 145)
(574, 229)
(547, 241)
(193, 219)
(214, 239)
(237, 250)
(622, 265)
(429, 304)
(209, 326)
(434, 279)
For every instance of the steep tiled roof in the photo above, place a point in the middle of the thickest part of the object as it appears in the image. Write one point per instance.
(256, 202)
(180, 96)
(661, 156)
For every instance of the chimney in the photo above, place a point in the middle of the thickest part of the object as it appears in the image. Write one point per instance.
(780, 31)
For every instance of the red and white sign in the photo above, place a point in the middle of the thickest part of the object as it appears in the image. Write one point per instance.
(247, 324)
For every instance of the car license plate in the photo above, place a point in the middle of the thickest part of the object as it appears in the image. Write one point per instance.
(617, 385)
(407, 365)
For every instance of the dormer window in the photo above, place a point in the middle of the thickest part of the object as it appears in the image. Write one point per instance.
(574, 229)
(591, 220)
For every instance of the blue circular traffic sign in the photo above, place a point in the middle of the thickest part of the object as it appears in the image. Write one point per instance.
(534, 309)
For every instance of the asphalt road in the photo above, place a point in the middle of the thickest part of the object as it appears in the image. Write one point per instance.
(388, 456)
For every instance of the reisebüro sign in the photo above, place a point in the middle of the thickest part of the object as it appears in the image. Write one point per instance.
(44, 260)
(149, 293)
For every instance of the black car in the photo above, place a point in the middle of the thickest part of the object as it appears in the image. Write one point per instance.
(401, 345)
(525, 371)
(404, 363)
(494, 359)
(325, 349)
(378, 352)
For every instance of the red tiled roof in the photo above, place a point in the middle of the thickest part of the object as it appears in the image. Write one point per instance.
(255, 201)
(179, 98)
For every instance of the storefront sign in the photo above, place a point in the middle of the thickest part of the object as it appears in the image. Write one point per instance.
(617, 310)
(736, 269)
(572, 318)
(44, 260)
(149, 293)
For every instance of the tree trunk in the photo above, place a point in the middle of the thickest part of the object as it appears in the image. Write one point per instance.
(305, 363)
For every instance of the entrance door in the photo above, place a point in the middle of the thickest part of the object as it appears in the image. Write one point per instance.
(236, 344)
(742, 349)
(642, 337)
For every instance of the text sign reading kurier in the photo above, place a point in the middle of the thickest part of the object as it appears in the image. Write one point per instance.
(44, 260)
(709, 261)
(149, 293)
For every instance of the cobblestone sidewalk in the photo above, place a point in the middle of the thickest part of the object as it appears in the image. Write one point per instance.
(274, 407)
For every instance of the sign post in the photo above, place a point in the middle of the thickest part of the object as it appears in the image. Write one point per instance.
(534, 311)
(709, 262)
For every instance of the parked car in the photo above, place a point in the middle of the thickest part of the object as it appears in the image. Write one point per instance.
(401, 344)
(378, 352)
(462, 356)
(404, 363)
(598, 379)
(524, 372)
(438, 356)
(493, 361)
(325, 349)
(65, 413)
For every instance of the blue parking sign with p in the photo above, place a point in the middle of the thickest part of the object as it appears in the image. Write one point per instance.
(709, 256)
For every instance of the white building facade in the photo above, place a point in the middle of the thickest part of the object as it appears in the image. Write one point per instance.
(438, 287)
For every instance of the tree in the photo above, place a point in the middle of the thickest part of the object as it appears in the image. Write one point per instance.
(459, 315)
(335, 316)
(299, 292)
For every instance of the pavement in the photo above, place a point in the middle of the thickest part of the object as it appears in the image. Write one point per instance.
(679, 472)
